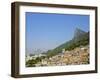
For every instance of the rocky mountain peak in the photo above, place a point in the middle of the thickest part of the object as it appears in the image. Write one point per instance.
(78, 33)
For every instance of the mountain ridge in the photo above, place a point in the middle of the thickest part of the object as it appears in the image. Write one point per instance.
(80, 38)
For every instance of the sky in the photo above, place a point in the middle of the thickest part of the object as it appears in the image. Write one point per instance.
(45, 31)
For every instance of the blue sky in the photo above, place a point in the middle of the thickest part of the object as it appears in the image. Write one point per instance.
(46, 31)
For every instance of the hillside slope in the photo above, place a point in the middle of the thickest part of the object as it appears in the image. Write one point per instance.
(81, 38)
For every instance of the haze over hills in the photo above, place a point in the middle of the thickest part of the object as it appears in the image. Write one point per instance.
(80, 38)
(76, 52)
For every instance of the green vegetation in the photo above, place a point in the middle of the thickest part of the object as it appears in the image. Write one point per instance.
(32, 62)
(70, 45)
(80, 39)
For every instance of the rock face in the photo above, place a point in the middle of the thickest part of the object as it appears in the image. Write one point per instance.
(78, 33)
(73, 52)
(80, 38)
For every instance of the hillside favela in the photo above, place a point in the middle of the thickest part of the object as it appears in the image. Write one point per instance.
(72, 52)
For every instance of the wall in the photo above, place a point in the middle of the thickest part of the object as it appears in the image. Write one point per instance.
(5, 40)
